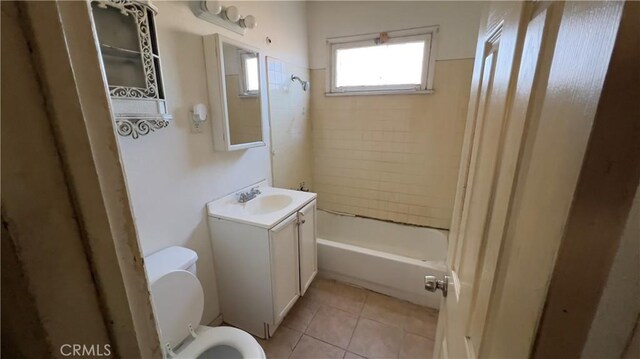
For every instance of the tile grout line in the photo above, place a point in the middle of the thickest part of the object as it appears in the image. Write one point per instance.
(324, 341)
(295, 345)
(366, 297)
(303, 333)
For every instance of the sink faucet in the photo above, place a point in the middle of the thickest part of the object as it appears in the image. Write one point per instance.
(244, 197)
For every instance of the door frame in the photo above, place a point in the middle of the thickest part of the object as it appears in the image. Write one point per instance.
(610, 176)
(602, 165)
(72, 88)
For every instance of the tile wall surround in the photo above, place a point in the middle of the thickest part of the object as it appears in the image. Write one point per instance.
(392, 157)
(291, 144)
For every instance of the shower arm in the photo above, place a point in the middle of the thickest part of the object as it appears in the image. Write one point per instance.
(304, 84)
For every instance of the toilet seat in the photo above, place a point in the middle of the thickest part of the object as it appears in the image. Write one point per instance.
(209, 337)
(178, 301)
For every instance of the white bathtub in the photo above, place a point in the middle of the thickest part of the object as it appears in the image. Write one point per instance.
(385, 257)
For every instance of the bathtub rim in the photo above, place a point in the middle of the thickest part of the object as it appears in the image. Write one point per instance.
(437, 265)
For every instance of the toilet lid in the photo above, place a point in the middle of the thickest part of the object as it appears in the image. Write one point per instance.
(178, 301)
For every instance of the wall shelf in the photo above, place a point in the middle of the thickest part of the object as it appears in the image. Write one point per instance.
(128, 43)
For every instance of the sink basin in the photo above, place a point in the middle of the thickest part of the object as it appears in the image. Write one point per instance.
(268, 204)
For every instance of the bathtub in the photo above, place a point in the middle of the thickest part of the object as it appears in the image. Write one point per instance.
(381, 256)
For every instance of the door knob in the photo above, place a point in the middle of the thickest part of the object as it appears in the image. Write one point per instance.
(432, 284)
(301, 219)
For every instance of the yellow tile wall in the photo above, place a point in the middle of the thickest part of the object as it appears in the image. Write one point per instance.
(392, 157)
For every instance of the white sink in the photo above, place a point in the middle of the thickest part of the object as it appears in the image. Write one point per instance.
(266, 210)
(268, 204)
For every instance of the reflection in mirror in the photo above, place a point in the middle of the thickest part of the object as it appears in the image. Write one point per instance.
(242, 82)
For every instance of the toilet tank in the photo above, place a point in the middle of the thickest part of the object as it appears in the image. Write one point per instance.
(170, 259)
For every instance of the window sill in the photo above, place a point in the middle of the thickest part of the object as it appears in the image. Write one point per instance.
(374, 93)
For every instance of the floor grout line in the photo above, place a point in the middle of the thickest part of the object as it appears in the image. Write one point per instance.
(367, 295)
(295, 345)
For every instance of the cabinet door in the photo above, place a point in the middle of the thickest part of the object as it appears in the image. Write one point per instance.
(307, 243)
(285, 278)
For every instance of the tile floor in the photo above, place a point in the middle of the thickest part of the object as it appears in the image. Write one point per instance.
(336, 320)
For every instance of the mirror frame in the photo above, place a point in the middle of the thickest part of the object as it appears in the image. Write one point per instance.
(214, 61)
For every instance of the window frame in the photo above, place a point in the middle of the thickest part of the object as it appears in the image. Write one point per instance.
(427, 34)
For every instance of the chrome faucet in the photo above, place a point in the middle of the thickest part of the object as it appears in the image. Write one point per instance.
(244, 197)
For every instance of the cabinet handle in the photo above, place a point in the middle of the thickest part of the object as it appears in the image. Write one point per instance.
(301, 219)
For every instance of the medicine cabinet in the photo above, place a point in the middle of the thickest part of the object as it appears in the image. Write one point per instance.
(234, 78)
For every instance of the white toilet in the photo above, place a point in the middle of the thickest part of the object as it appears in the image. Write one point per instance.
(178, 301)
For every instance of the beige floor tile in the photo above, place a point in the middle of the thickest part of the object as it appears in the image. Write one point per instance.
(339, 295)
(421, 321)
(281, 344)
(416, 347)
(386, 309)
(309, 347)
(301, 314)
(333, 326)
(312, 299)
(376, 340)
(350, 355)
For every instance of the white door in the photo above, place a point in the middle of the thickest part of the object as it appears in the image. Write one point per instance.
(285, 280)
(507, 75)
(307, 243)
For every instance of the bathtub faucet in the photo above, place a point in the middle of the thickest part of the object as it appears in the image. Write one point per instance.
(244, 197)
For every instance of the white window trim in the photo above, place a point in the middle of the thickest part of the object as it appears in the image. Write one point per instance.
(244, 92)
(428, 34)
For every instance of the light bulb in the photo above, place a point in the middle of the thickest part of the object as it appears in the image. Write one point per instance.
(232, 13)
(249, 22)
(213, 7)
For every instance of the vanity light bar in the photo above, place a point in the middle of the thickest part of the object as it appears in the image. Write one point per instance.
(227, 17)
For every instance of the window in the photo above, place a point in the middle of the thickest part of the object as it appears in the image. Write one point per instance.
(250, 80)
(394, 62)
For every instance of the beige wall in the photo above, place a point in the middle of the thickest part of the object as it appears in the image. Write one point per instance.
(458, 21)
(291, 144)
(392, 157)
(172, 173)
(619, 306)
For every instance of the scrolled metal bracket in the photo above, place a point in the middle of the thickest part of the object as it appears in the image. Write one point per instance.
(139, 127)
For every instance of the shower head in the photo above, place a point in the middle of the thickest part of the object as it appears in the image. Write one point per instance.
(305, 84)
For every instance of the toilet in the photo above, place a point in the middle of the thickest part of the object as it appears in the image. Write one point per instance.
(178, 302)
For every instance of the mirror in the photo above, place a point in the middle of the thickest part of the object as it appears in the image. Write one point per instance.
(233, 71)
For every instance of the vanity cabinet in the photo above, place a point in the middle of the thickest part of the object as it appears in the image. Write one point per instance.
(261, 272)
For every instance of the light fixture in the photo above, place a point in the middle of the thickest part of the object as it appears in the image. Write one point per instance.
(213, 7)
(215, 12)
(249, 22)
(198, 117)
(232, 13)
